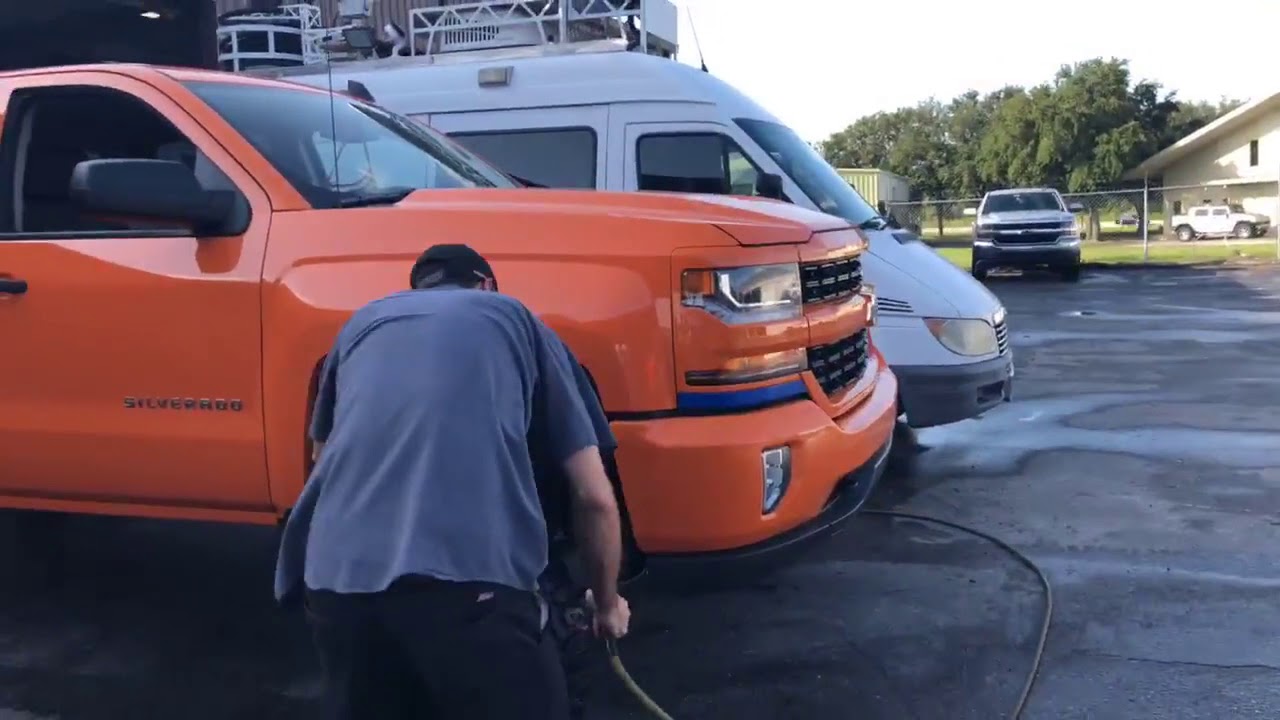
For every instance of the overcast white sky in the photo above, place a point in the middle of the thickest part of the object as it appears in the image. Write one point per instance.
(824, 63)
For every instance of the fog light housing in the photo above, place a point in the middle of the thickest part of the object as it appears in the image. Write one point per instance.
(775, 474)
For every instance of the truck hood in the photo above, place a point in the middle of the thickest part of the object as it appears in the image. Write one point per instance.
(1025, 216)
(749, 221)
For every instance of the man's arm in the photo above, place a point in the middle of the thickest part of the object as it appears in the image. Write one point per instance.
(574, 445)
(326, 399)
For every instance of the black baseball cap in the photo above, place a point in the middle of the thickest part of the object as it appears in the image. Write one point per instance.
(451, 263)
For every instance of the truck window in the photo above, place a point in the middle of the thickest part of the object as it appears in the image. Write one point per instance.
(1021, 201)
(1200, 212)
(694, 163)
(48, 132)
(552, 157)
(1220, 212)
(302, 132)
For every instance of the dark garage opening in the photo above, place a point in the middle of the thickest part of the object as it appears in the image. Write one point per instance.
(65, 32)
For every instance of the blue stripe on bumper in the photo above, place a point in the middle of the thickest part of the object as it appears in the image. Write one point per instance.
(731, 400)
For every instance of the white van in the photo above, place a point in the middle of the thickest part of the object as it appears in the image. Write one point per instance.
(594, 114)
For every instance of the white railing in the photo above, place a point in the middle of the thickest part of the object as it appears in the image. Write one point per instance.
(463, 26)
(285, 28)
(455, 26)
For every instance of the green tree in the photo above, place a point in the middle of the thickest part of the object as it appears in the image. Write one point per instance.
(1078, 132)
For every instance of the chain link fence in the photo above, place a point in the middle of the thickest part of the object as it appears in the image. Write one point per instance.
(1134, 223)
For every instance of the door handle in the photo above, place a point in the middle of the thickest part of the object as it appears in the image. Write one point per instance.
(12, 286)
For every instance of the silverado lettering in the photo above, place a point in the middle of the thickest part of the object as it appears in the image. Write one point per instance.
(181, 403)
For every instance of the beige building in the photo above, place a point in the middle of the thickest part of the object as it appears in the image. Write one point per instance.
(1234, 158)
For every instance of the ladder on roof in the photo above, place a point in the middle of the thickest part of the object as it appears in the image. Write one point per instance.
(295, 35)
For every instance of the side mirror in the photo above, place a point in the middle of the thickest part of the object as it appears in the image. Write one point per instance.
(971, 212)
(153, 189)
(770, 186)
(1075, 207)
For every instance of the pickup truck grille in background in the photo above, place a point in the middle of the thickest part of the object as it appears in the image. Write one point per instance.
(1002, 337)
(1031, 233)
(840, 364)
(830, 280)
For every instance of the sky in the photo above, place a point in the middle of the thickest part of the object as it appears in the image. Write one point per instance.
(819, 65)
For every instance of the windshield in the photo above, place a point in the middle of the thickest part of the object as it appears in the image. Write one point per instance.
(806, 168)
(1018, 201)
(1236, 208)
(345, 152)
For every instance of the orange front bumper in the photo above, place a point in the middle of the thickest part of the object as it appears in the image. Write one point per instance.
(694, 484)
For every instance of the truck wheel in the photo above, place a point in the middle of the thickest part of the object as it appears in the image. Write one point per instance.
(1071, 273)
(979, 273)
(1185, 233)
(1243, 230)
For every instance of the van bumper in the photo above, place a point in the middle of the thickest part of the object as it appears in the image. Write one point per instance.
(694, 490)
(941, 394)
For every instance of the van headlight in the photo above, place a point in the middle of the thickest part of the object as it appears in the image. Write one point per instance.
(964, 336)
(752, 294)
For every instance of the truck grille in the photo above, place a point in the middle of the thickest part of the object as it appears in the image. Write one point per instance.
(1002, 337)
(830, 280)
(838, 365)
(1034, 233)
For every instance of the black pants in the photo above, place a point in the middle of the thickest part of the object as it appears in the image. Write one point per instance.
(434, 649)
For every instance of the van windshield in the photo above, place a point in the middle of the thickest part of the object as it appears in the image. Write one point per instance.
(344, 153)
(806, 168)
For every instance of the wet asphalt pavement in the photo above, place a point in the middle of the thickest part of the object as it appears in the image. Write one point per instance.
(1139, 465)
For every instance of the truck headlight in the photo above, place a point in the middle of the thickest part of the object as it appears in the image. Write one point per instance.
(1070, 227)
(775, 473)
(964, 336)
(752, 294)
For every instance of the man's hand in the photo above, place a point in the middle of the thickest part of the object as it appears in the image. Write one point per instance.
(610, 623)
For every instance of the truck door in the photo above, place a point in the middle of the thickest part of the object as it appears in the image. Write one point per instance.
(1220, 221)
(131, 363)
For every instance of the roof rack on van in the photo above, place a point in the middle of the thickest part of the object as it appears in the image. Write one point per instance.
(266, 43)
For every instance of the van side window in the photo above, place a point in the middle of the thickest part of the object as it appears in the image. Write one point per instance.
(694, 163)
(48, 131)
(552, 157)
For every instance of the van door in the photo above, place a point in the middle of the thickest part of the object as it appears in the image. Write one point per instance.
(695, 157)
(548, 147)
(130, 370)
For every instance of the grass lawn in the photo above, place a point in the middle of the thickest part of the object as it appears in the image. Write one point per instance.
(1159, 253)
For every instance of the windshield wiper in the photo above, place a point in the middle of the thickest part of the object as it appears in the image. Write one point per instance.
(875, 222)
(389, 196)
(524, 182)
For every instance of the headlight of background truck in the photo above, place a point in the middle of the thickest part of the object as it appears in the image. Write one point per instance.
(736, 296)
(964, 336)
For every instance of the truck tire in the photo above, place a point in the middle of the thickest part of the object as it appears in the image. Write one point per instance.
(1185, 233)
(979, 273)
(1243, 230)
(1071, 273)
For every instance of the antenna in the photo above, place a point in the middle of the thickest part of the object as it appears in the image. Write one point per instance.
(333, 119)
(696, 45)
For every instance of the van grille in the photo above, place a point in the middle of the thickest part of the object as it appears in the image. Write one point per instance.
(830, 280)
(840, 364)
(1002, 337)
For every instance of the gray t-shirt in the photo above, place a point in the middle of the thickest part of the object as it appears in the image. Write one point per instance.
(424, 407)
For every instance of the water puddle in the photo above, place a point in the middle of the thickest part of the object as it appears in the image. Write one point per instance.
(999, 441)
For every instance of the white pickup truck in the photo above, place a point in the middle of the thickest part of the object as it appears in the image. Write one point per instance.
(1229, 220)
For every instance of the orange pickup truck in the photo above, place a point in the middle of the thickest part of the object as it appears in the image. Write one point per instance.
(178, 249)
